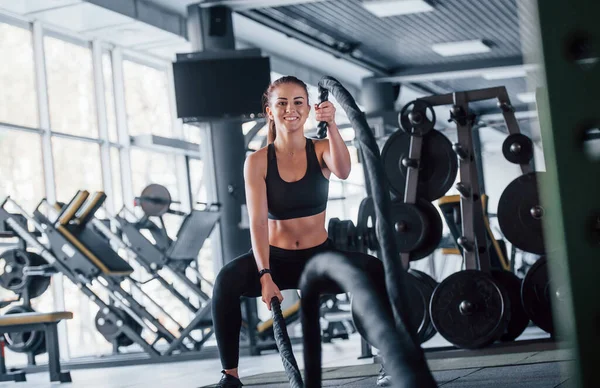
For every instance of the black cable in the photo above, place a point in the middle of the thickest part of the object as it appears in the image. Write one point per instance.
(284, 346)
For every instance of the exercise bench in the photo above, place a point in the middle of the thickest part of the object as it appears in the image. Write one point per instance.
(45, 322)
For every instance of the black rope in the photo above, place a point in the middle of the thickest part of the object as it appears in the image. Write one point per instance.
(284, 346)
(398, 343)
(406, 370)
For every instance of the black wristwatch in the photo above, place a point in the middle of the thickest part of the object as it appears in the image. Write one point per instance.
(263, 271)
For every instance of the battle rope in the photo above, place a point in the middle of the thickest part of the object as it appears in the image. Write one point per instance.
(284, 346)
(405, 360)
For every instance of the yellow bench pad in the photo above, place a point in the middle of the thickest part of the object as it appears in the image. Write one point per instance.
(29, 318)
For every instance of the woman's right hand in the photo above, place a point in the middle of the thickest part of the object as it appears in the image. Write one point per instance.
(269, 290)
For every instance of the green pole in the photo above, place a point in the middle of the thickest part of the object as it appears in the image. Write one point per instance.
(569, 105)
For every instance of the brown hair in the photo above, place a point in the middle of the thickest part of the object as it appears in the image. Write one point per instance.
(288, 79)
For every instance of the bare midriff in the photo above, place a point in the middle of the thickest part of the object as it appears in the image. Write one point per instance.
(298, 233)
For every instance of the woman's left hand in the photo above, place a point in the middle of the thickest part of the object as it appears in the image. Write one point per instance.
(325, 111)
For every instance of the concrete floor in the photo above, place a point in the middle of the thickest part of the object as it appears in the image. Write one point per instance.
(341, 368)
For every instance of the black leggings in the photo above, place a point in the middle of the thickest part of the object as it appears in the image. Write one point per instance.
(240, 278)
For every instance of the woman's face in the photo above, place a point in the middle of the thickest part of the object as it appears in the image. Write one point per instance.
(288, 107)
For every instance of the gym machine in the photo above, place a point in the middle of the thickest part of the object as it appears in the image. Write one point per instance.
(74, 250)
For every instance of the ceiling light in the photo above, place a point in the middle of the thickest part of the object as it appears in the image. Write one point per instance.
(385, 8)
(505, 73)
(460, 48)
(527, 98)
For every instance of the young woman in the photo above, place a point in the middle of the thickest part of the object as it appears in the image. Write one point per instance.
(287, 185)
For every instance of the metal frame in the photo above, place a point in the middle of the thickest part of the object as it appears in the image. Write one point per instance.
(474, 239)
(569, 33)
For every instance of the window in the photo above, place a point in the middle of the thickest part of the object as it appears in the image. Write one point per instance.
(76, 167)
(70, 88)
(109, 96)
(146, 100)
(18, 98)
(21, 168)
(115, 168)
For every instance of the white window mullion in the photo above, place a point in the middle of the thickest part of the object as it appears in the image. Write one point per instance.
(58, 291)
(102, 125)
(181, 169)
(123, 136)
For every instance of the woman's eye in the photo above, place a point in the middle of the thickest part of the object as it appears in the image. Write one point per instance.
(298, 102)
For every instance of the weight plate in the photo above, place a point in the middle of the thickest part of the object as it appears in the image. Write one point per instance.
(520, 213)
(414, 120)
(25, 341)
(37, 285)
(108, 326)
(434, 231)
(469, 309)
(432, 284)
(12, 263)
(155, 200)
(536, 295)
(365, 226)
(518, 318)
(426, 330)
(332, 230)
(410, 226)
(517, 148)
(438, 164)
(419, 294)
(367, 238)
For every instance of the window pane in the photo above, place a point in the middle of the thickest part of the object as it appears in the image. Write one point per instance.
(115, 166)
(197, 184)
(76, 167)
(18, 98)
(21, 168)
(109, 96)
(147, 100)
(70, 88)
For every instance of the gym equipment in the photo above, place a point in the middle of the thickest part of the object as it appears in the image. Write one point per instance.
(22, 328)
(417, 229)
(409, 369)
(470, 309)
(520, 213)
(284, 346)
(420, 287)
(12, 276)
(538, 295)
(413, 118)
(24, 341)
(518, 320)
(437, 164)
(450, 208)
(109, 322)
(74, 249)
(517, 148)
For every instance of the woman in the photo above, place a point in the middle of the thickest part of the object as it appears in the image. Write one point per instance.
(287, 185)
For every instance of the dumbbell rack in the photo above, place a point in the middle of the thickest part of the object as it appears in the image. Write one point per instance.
(473, 239)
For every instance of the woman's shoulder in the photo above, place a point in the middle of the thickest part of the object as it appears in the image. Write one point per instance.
(258, 158)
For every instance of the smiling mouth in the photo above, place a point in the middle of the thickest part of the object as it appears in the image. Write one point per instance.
(291, 118)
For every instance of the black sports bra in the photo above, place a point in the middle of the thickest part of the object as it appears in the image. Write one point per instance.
(303, 198)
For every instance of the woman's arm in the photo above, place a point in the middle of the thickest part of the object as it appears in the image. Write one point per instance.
(256, 200)
(335, 154)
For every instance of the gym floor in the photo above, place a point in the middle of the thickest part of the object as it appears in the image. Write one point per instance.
(533, 362)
